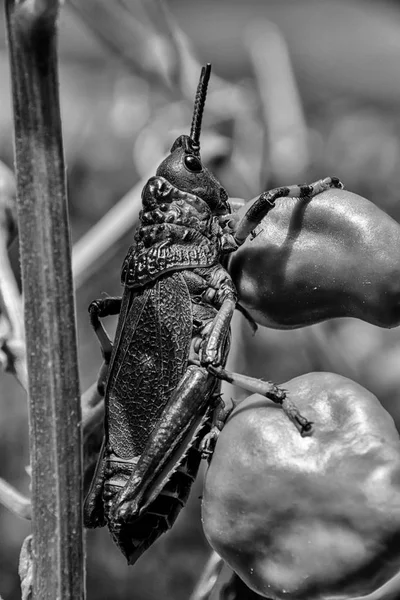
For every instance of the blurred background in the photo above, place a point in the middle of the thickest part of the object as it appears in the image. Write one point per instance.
(301, 89)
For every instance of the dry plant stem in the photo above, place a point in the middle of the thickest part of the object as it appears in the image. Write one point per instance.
(54, 405)
(206, 584)
(92, 404)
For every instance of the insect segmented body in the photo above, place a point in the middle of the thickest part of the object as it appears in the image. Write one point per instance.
(162, 392)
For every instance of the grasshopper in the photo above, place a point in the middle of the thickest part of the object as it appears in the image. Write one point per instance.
(163, 406)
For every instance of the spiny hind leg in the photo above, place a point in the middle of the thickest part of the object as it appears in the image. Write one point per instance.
(93, 509)
(170, 436)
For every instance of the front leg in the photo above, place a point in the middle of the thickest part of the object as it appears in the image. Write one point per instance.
(216, 333)
(221, 294)
(260, 207)
(269, 390)
(220, 415)
(99, 309)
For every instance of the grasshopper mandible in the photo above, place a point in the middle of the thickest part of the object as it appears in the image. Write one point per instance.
(162, 390)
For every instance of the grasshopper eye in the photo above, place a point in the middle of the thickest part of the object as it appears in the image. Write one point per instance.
(192, 163)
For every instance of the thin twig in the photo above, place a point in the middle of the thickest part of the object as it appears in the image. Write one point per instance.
(88, 252)
(12, 330)
(8, 202)
(208, 579)
(54, 402)
(13, 339)
(92, 404)
(16, 502)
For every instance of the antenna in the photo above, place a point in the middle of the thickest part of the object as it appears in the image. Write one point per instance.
(199, 105)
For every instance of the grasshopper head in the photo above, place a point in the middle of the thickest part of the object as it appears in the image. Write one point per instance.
(183, 167)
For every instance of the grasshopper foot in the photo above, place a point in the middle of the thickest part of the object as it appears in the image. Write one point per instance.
(302, 424)
(208, 443)
(125, 507)
(128, 511)
(125, 511)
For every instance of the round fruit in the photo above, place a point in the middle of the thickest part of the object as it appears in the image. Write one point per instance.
(334, 255)
(306, 518)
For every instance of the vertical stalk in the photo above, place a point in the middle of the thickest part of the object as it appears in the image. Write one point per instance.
(54, 408)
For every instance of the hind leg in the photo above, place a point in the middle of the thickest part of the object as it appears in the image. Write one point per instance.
(173, 434)
(93, 509)
(99, 309)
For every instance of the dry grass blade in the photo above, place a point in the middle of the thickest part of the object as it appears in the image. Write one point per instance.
(54, 401)
(287, 136)
(136, 44)
(149, 42)
(184, 68)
